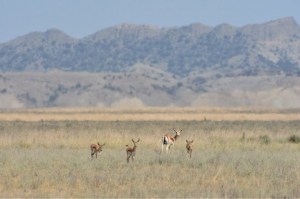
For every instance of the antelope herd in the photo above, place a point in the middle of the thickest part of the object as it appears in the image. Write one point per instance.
(167, 140)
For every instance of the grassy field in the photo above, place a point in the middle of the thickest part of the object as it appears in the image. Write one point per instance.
(146, 114)
(231, 158)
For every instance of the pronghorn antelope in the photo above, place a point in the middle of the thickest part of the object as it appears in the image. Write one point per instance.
(131, 150)
(169, 141)
(96, 148)
(189, 147)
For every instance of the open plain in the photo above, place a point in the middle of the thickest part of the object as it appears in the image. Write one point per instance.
(238, 152)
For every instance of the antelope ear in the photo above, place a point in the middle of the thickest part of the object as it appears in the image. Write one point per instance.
(181, 130)
(98, 143)
(192, 141)
(138, 140)
(132, 140)
(187, 141)
(103, 144)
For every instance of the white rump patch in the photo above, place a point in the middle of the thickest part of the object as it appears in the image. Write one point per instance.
(165, 140)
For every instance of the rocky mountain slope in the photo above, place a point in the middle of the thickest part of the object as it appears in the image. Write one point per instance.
(141, 65)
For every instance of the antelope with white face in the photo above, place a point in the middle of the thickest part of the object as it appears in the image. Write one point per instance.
(169, 141)
(96, 148)
(130, 151)
(189, 147)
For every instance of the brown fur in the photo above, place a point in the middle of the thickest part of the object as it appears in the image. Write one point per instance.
(130, 151)
(189, 148)
(170, 137)
(96, 148)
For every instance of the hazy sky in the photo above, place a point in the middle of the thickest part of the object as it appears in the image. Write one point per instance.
(80, 18)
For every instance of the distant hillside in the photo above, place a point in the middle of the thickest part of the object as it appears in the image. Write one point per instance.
(249, 50)
(145, 86)
(140, 65)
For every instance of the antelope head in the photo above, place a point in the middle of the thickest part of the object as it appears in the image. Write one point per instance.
(135, 143)
(189, 142)
(177, 133)
(100, 146)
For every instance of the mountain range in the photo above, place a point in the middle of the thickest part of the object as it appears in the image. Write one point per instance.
(130, 65)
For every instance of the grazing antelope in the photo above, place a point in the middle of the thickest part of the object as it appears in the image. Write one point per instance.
(189, 147)
(131, 150)
(169, 141)
(96, 148)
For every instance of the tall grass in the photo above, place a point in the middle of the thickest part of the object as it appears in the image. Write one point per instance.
(71, 173)
(80, 134)
(52, 159)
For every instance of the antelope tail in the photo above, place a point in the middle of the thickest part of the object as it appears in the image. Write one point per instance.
(165, 140)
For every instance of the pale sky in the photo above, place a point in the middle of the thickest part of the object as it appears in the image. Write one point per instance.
(80, 18)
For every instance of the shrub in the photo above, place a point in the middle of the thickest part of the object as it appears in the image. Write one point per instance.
(78, 85)
(24, 144)
(264, 139)
(52, 98)
(294, 139)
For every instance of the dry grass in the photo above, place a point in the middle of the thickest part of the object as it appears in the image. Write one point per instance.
(158, 114)
(230, 159)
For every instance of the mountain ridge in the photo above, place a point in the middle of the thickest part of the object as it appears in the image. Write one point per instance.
(183, 49)
(288, 22)
(127, 64)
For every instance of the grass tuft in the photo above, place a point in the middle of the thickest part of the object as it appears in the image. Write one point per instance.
(24, 144)
(294, 139)
(264, 139)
